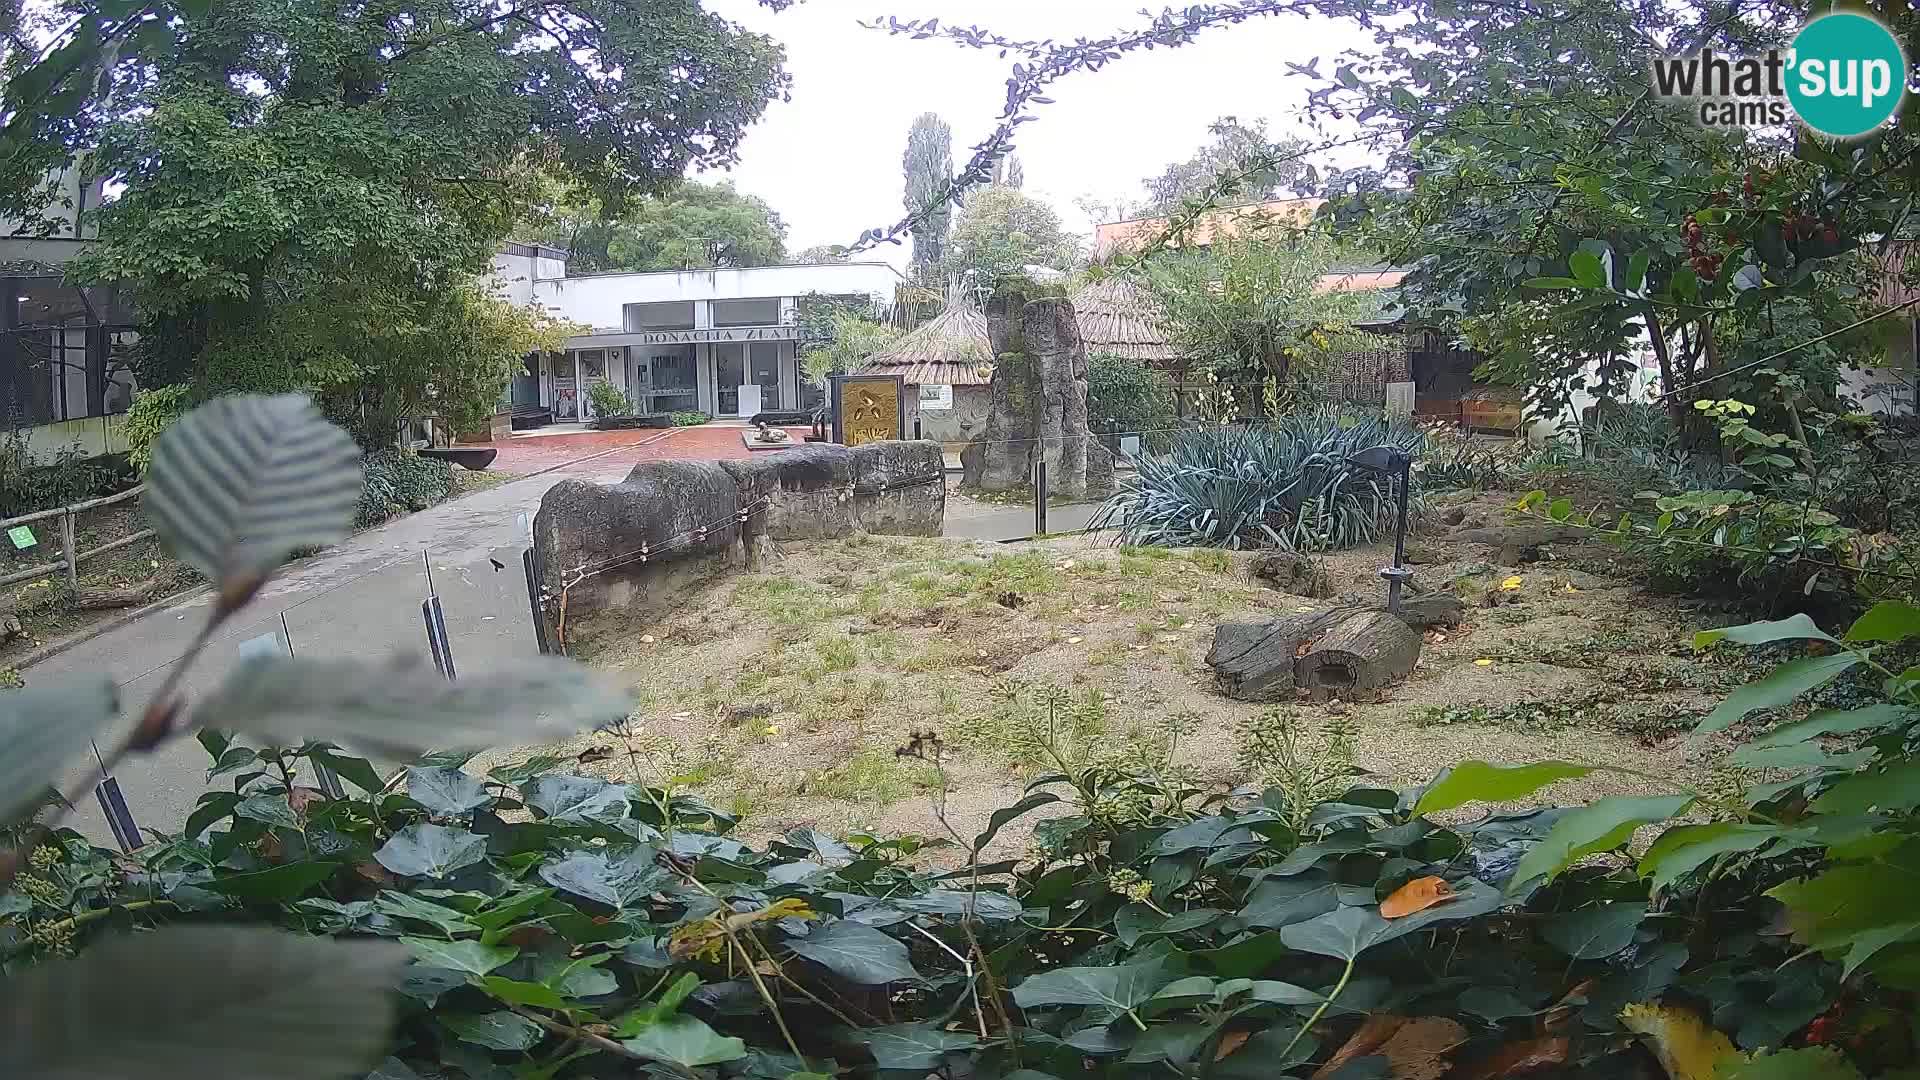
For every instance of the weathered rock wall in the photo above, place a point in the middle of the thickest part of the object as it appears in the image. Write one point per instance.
(609, 553)
(1038, 404)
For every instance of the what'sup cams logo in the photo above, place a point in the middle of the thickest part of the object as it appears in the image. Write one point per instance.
(1845, 76)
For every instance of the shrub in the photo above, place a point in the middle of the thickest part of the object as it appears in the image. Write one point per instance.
(608, 400)
(1125, 396)
(1287, 485)
(400, 482)
(30, 483)
(151, 412)
(690, 418)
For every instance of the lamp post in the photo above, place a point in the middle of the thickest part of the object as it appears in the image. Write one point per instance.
(1390, 461)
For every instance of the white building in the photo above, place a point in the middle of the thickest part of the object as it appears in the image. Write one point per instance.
(723, 342)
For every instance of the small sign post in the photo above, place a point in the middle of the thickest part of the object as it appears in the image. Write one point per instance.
(936, 398)
(22, 537)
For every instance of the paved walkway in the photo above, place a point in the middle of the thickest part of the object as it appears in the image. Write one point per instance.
(363, 597)
(525, 455)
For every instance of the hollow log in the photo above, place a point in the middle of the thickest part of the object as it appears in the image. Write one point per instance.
(1254, 661)
(1364, 651)
(98, 599)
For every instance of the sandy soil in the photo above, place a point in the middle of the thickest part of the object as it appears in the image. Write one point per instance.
(783, 694)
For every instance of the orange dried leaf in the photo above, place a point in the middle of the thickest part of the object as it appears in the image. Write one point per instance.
(1231, 1041)
(1364, 1042)
(1520, 1057)
(1416, 895)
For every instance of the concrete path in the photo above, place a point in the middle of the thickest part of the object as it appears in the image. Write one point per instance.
(363, 599)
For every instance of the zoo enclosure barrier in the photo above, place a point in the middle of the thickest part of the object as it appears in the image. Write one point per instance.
(70, 558)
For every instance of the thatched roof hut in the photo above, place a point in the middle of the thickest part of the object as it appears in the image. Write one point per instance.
(1119, 318)
(950, 349)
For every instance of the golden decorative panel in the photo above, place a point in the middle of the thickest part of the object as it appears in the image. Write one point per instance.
(869, 410)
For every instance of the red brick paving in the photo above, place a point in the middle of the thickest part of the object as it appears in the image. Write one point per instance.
(523, 456)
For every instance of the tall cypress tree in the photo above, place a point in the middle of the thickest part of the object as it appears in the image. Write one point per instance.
(928, 166)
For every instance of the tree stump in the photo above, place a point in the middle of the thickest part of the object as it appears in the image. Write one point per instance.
(1363, 651)
(1254, 661)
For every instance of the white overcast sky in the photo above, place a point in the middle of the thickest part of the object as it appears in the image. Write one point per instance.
(829, 160)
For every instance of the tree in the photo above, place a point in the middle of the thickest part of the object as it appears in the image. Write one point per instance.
(697, 226)
(821, 255)
(1250, 309)
(1001, 230)
(1242, 164)
(290, 172)
(928, 166)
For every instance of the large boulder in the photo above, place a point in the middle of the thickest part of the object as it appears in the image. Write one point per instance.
(899, 488)
(807, 490)
(818, 491)
(630, 548)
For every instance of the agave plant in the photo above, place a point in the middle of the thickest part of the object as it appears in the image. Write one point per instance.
(1282, 485)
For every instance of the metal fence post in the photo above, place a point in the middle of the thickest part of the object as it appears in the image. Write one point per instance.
(1040, 494)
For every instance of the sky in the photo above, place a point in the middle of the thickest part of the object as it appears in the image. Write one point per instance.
(829, 160)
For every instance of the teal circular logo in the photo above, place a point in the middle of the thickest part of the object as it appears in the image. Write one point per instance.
(1847, 74)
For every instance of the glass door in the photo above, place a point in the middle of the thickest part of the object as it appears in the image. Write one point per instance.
(764, 365)
(566, 387)
(672, 385)
(729, 371)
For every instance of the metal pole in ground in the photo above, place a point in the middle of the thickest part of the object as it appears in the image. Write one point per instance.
(436, 621)
(1040, 496)
(322, 776)
(113, 806)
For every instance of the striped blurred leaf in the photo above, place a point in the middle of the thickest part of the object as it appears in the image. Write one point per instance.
(191, 1002)
(241, 482)
(404, 708)
(43, 731)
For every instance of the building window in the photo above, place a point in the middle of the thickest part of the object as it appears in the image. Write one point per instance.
(757, 312)
(677, 315)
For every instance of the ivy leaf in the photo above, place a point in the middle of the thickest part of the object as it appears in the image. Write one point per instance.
(1493, 1003)
(538, 995)
(919, 1047)
(446, 792)
(274, 886)
(1794, 628)
(1599, 826)
(824, 847)
(468, 956)
(1836, 722)
(1477, 781)
(1551, 283)
(356, 771)
(618, 881)
(202, 1001)
(1587, 269)
(685, 1041)
(1684, 848)
(1347, 932)
(1890, 790)
(428, 850)
(1888, 620)
(578, 799)
(1779, 687)
(1596, 932)
(269, 809)
(1278, 902)
(857, 952)
(242, 482)
(44, 730)
(501, 1030)
(981, 903)
(444, 919)
(1120, 987)
(1000, 818)
(401, 709)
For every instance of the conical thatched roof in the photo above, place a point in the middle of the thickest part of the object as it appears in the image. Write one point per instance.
(950, 349)
(1119, 318)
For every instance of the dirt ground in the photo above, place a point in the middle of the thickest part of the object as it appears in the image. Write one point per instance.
(784, 694)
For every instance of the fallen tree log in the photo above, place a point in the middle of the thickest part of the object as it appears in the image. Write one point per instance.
(1433, 609)
(1363, 651)
(99, 599)
(1254, 661)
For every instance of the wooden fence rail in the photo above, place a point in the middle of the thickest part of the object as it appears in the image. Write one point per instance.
(70, 557)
